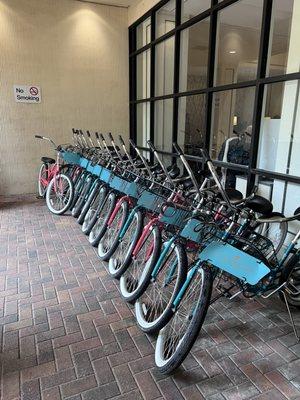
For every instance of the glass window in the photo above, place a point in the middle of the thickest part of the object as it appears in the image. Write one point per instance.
(279, 146)
(164, 124)
(191, 123)
(238, 41)
(191, 8)
(232, 125)
(164, 67)
(284, 41)
(194, 56)
(143, 63)
(143, 123)
(165, 18)
(143, 33)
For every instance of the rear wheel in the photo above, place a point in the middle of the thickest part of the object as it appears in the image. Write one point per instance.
(176, 339)
(100, 225)
(109, 241)
(152, 308)
(291, 275)
(139, 270)
(59, 195)
(42, 179)
(276, 232)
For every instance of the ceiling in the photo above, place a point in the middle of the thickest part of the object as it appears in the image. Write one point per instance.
(124, 3)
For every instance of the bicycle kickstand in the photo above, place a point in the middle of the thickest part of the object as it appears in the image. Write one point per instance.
(291, 316)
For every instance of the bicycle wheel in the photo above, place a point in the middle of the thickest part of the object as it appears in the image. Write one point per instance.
(291, 275)
(59, 195)
(152, 308)
(109, 241)
(276, 232)
(82, 197)
(176, 339)
(43, 175)
(89, 202)
(121, 258)
(140, 267)
(100, 225)
(94, 210)
(79, 185)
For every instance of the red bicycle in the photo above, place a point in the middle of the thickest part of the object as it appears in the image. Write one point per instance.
(56, 186)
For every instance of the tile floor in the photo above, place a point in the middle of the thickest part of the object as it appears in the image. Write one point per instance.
(66, 333)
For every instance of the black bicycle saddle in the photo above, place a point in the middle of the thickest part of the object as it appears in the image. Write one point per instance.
(174, 171)
(260, 205)
(48, 160)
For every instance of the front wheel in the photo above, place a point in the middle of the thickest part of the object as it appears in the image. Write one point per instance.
(138, 272)
(59, 195)
(110, 240)
(152, 308)
(176, 339)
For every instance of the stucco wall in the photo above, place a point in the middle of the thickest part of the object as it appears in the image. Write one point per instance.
(139, 8)
(78, 54)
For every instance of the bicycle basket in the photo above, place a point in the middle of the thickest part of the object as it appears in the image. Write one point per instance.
(255, 245)
(151, 201)
(70, 157)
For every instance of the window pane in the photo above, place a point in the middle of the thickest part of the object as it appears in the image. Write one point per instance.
(143, 33)
(191, 8)
(143, 63)
(194, 56)
(239, 32)
(143, 123)
(284, 40)
(164, 124)
(165, 18)
(191, 123)
(164, 67)
(232, 127)
(279, 146)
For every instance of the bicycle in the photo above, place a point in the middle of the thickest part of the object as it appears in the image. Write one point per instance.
(56, 186)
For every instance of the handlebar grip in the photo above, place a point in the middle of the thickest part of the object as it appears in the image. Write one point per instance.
(101, 136)
(38, 136)
(88, 133)
(81, 133)
(297, 212)
(121, 140)
(205, 155)
(110, 136)
(151, 146)
(97, 135)
(177, 149)
(132, 143)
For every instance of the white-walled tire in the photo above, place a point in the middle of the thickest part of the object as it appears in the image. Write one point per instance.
(42, 174)
(59, 194)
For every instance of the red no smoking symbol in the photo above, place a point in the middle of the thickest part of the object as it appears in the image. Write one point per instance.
(34, 90)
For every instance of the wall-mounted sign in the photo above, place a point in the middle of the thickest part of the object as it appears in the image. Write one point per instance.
(27, 94)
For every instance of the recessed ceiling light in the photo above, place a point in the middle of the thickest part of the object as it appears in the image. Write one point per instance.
(232, 52)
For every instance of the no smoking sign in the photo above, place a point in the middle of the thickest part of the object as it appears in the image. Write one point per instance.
(27, 94)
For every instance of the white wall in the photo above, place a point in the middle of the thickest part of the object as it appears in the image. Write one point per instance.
(78, 54)
(139, 8)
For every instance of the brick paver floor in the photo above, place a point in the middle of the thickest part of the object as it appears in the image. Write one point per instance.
(66, 333)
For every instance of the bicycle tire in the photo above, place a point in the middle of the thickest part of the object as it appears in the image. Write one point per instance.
(131, 288)
(100, 225)
(94, 210)
(121, 258)
(41, 189)
(160, 290)
(70, 190)
(106, 247)
(194, 325)
(88, 203)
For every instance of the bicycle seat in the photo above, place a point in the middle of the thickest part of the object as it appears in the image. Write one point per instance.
(174, 171)
(259, 204)
(234, 194)
(48, 160)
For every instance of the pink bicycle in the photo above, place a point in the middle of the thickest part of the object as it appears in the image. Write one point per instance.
(56, 186)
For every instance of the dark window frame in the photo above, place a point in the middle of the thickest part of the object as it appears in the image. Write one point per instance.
(259, 83)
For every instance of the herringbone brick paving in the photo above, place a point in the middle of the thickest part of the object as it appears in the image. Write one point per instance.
(66, 333)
